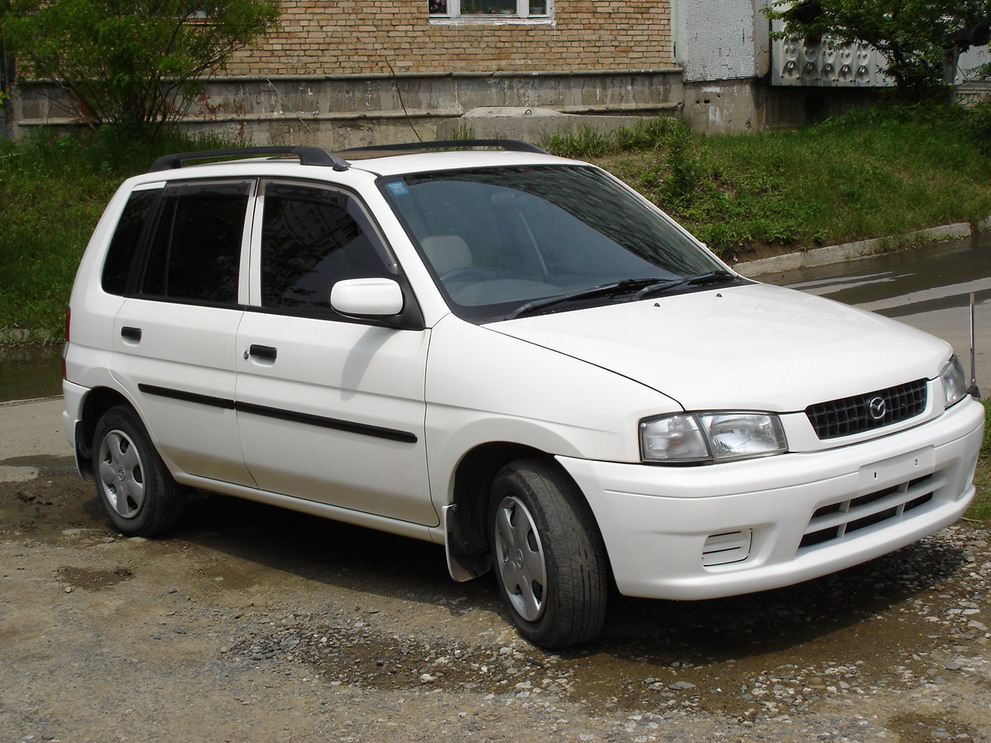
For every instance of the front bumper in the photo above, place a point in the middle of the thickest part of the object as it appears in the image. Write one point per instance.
(734, 528)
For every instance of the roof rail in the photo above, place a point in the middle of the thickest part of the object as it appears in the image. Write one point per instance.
(512, 145)
(306, 155)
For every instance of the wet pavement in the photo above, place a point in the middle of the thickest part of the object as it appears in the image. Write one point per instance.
(928, 288)
(29, 373)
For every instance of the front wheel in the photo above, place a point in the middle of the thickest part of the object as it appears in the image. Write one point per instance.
(133, 483)
(550, 561)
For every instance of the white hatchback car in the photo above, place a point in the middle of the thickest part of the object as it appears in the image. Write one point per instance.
(507, 353)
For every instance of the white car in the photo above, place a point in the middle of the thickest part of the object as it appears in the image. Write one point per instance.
(507, 353)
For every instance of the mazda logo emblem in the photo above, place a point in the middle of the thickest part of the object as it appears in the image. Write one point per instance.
(877, 407)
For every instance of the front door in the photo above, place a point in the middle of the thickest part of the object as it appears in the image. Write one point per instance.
(329, 409)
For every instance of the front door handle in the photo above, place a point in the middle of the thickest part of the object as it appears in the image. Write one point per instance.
(268, 353)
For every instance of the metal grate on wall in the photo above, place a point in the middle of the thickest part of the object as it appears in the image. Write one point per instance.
(826, 63)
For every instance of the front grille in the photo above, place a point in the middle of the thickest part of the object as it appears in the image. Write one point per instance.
(838, 520)
(859, 413)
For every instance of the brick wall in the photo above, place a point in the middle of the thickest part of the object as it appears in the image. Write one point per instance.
(325, 37)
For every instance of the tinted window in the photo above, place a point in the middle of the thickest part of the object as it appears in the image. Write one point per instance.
(500, 238)
(124, 244)
(196, 249)
(312, 238)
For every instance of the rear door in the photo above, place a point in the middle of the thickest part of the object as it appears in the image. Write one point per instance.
(330, 409)
(174, 335)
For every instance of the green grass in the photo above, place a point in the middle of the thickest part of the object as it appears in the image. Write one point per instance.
(52, 192)
(866, 174)
(980, 509)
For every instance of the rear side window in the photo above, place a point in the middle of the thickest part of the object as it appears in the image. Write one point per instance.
(124, 245)
(196, 245)
(313, 237)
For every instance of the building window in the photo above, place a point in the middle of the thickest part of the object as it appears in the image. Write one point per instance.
(489, 9)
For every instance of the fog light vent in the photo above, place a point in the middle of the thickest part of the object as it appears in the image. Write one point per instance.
(726, 547)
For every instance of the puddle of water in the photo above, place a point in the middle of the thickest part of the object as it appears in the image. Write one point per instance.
(949, 271)
(27, 373)
(929, 288)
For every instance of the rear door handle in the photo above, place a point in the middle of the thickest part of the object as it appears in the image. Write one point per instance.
(131, 334)
(268, 353)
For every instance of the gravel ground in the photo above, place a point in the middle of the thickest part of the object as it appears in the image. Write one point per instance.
(254, 624)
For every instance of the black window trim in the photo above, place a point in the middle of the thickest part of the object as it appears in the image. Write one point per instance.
(411, 317)
(139, 264)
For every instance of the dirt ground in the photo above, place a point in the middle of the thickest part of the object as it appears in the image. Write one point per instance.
(254, 624)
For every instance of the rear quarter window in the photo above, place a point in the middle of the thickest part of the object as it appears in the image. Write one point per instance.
(127, 237)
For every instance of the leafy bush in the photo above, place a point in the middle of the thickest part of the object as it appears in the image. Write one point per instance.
(871, 173)
(134, 65)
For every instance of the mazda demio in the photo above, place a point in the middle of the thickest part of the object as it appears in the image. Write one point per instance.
(509, 354)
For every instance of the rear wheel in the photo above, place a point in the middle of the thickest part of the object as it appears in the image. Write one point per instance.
(136, 489)
(550, 561)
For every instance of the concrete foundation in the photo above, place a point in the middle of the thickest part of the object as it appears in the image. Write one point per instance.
(344, 111)
(734, 106)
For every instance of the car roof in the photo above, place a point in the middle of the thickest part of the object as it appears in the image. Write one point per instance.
(386, 160)
(428, 161)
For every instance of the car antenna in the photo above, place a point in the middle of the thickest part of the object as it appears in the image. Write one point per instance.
(973, 389)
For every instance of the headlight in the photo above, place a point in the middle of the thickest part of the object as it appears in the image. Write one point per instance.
(688, 438)
(954, 382)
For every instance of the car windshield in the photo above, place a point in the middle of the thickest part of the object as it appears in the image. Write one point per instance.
(510, 241)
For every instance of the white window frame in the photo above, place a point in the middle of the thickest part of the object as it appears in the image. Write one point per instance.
(521, 17)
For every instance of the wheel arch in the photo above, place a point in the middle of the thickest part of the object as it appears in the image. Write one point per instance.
(466, 517)
(97, 402)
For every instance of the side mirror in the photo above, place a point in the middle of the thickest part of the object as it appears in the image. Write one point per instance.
(368, 298)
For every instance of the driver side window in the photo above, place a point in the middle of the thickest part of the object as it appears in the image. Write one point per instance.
(312, 238)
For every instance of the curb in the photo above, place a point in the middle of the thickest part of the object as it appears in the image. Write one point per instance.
(28, 401)
(859, 249)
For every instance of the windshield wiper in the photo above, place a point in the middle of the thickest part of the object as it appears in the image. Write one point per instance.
(718, 276)
(602, 290)
(639, 287)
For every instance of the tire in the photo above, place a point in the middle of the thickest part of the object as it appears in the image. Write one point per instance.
(136, 489)
(549, 558)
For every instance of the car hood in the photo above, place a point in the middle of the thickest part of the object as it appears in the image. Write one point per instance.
(756, 347)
